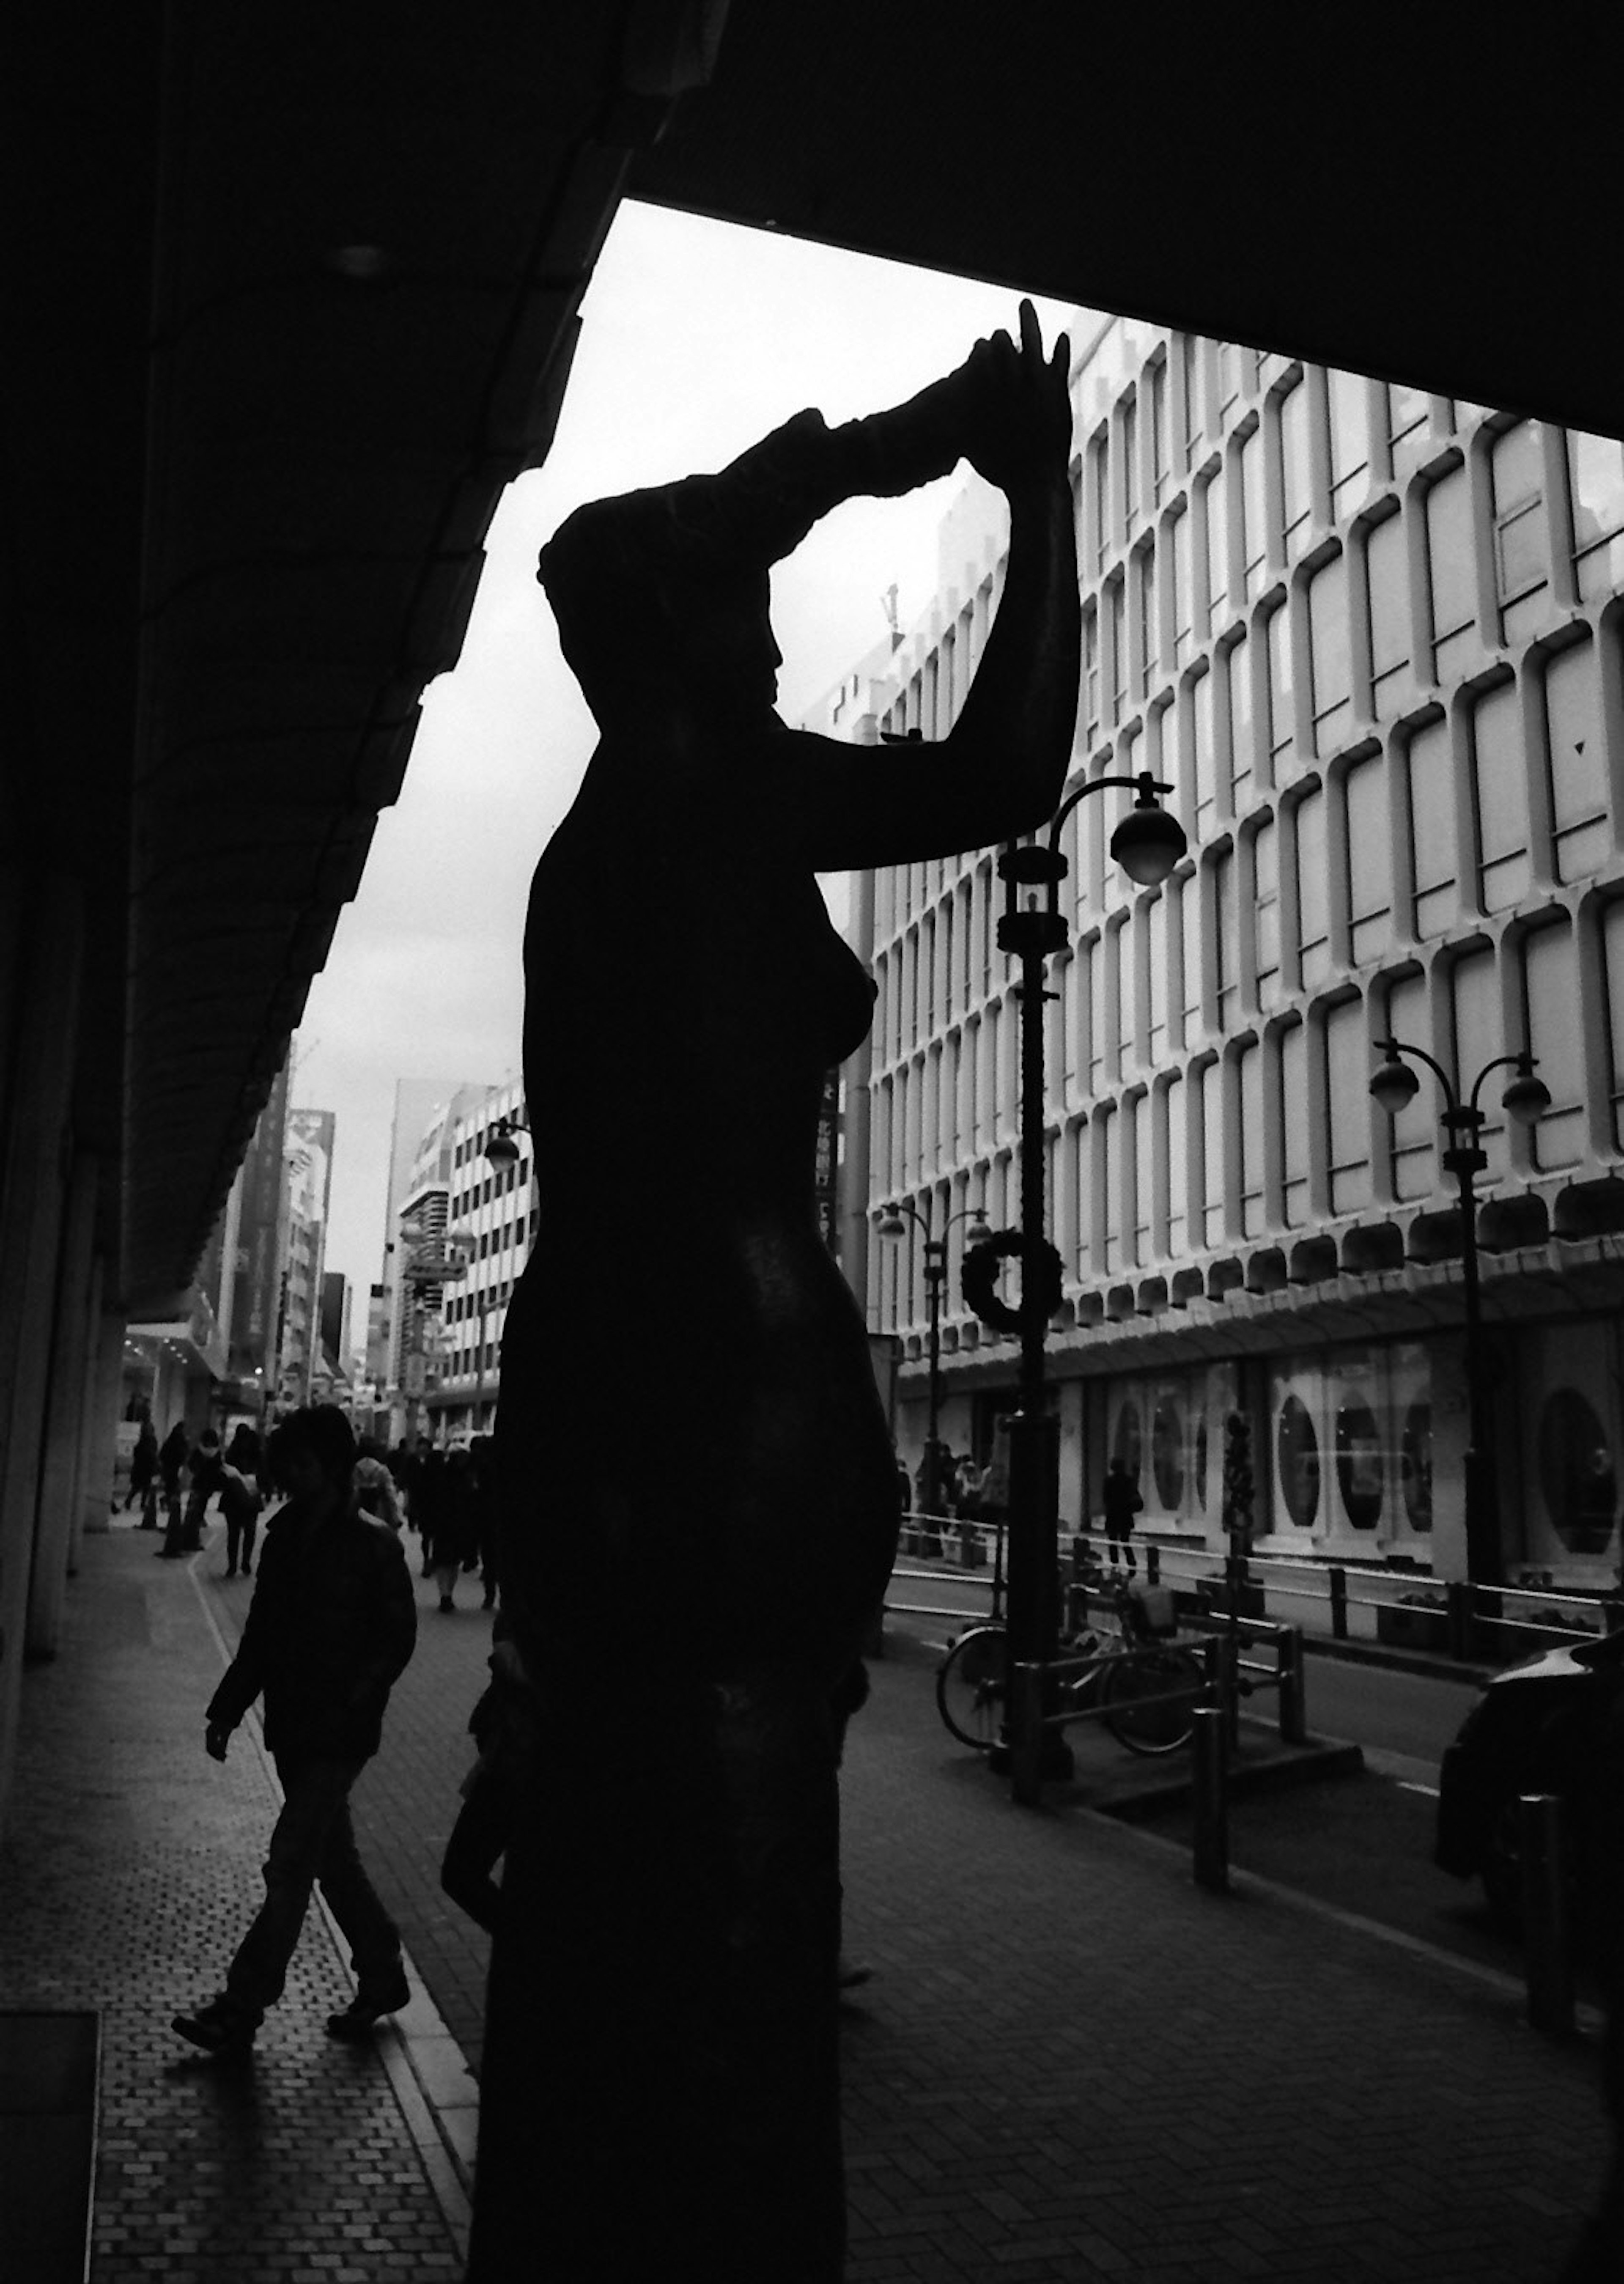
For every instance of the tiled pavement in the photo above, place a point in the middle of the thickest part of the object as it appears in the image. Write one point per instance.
(130, 1868)
(1071, 2065)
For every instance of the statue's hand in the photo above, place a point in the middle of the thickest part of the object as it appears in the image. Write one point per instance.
(1017, 407)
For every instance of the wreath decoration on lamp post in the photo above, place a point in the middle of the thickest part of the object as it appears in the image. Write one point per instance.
(1041, 1276)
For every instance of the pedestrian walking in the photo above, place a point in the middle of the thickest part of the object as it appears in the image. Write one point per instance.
(246, 1454)
(204, 1479)
(171, 1459)
(451, 1531)
(428, 1502)
(239, 1504)
(144, 1476)
(329, 1629)
(967, 1489)
(1121, 1500)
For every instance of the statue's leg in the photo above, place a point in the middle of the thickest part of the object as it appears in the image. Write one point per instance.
(659, 2090)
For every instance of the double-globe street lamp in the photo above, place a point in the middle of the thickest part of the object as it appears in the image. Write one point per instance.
(895, 1217)
(1147, 843)
(1394, 1086)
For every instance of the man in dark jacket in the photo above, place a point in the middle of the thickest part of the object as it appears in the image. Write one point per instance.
(331, 1626)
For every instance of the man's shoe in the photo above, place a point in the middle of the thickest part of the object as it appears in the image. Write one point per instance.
(221, 2028)
(369, 2006)
(851, 1976)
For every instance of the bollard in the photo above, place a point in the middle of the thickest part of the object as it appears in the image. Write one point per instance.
(1211, 1798)
(1339, 1603)
(1152, 1566)
(1293, 1699)
(1026, 1741)
(1547, 1958)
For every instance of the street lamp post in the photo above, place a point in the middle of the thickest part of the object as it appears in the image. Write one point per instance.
(1393, 1086)
(1147, 843)
(893, 1224)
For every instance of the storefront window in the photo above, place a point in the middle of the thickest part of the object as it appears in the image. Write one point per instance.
(1128, 1443)
(1298, 1453)
(1416, 1466)
(1168, 1451)
(1359, 1465)
(1577, 1475)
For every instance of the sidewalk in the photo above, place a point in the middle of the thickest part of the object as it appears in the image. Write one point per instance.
(1071, 2065)
(129, 1870)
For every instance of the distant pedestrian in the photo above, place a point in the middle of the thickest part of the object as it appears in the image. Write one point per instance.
(171, 1460)
(428, 1502)
(330, 1631)
(239, 1504)
(452, 1530)
(375, 1485)
(204, 1480)
(406, 1466)
(1121, 1502)
(967, 1489)
(246, 1454)
(904, 1486)
(144, 1476)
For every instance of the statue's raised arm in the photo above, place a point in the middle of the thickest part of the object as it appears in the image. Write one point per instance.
(661, 600)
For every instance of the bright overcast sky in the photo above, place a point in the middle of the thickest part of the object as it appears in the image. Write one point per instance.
(697, 340)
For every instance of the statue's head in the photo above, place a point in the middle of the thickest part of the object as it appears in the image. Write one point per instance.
(649, 613)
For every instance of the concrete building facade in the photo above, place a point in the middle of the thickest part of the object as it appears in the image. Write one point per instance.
(310, 1135)
(493, 1215)
(1373, 638)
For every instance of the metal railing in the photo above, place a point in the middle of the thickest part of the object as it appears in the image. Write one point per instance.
(1338, 1600)
(1468, 1622)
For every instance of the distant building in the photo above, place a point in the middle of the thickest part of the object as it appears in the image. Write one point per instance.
(1376, 641)
(334, 1320)
(418, 1102)
(491, 1222)
(218, 1354)
(422, 1270)
(308, 1158)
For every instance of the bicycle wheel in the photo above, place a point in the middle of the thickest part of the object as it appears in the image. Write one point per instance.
(1149, 1698)
(970, 1687)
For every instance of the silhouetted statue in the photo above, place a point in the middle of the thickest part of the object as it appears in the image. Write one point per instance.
(691, 1570)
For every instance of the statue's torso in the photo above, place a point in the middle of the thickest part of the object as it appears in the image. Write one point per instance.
(695, 1356)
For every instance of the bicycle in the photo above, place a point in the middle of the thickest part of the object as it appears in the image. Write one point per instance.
(1147, 1690)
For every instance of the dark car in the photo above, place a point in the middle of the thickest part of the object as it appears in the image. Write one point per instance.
(1539, 1727)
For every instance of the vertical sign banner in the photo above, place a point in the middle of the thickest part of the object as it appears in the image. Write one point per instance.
(259, 1243)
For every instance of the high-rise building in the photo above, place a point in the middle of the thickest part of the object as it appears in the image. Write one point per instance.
(308, 1160)
(491, 1220)
(418, 1102)
(1373, 638)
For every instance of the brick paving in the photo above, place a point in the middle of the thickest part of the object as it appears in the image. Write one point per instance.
(1071, 2065)
(129, 1870)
